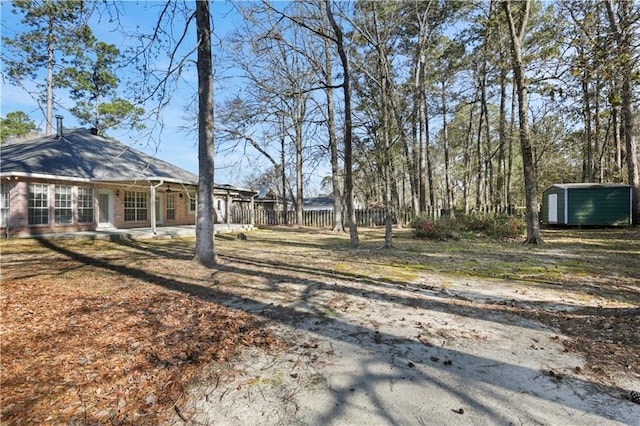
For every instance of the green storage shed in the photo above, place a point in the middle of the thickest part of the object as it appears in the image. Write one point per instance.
(587, 204)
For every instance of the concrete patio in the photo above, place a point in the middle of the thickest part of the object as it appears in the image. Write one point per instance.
(143, 233)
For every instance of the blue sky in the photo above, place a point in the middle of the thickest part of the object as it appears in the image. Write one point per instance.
(173, 144)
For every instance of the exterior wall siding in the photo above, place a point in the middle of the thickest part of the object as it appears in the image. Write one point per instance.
(599, 206)
(604, 205)
(18, 217)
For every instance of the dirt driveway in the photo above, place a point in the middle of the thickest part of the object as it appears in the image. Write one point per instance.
(407, 339)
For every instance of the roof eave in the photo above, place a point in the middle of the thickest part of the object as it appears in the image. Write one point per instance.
(9, 175)
(149, 179)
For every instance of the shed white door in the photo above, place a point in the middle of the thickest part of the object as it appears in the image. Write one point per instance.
(553, 208)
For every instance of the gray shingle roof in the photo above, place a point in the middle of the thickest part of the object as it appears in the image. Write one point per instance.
(79, 154)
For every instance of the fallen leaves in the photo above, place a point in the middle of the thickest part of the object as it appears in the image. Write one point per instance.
(95, 351)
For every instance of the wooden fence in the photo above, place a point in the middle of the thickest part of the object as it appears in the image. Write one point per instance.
(364, 217)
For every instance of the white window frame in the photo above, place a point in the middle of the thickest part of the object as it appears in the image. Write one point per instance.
(63, 205)
(38, 208)
(86, 204)
(170, 206)
(136, 202)
(192, 206)
(5, 199)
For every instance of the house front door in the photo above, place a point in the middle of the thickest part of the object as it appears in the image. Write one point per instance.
(105, 209)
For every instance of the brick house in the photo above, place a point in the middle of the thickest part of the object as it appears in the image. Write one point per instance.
(81, 181)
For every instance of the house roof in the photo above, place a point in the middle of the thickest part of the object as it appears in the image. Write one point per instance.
(81, 155)
(321, 201)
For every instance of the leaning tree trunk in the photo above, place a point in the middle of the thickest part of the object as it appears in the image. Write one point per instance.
(530, 178)
(204, 250)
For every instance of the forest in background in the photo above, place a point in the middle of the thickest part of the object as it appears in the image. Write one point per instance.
(436, 117)
(435, 107)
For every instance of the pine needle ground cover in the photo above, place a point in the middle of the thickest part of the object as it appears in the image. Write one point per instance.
(92, 332)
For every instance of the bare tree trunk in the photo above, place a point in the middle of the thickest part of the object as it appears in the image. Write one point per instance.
(488, 169)
(502, 137)
(466, 178)
(422, 141)
(50, 63)
(510, 137)
(421, 95)
(479, 162)
(348, 133)
(616, 136)
(388, 234)
(445, 145)
(336, 179)
(427, 152)
(587, 171)
(285, 183)
(530, 178)
(204, 248)
(299, 116)
(622, 26)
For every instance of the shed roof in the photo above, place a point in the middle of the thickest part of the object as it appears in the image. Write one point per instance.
(588, 185)
(81, 155)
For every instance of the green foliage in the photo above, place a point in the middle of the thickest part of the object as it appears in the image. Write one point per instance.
(91, 76)
(53, 32)
(440, 230)
(487, 225)
(55, 26)
(108, 115)
(92, 82)
(17, 124)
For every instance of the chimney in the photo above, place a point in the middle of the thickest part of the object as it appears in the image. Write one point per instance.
(59, 125)
(94, 131)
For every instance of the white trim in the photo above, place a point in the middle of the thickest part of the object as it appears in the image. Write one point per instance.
(566, 206)
(44, 176)
(110, 208)
(144, 179)
(152, 201)
(631, 205)
(77, 179)
(160, 208)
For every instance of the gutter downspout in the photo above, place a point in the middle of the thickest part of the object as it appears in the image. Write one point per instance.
(252, 211)
(227, 209)
(153, 205)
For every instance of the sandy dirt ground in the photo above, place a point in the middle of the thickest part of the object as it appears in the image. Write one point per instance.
(370, 351)
(293, 327)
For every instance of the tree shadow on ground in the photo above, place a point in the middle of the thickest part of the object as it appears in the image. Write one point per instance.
(300, 316)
